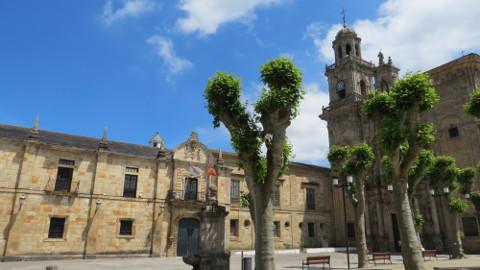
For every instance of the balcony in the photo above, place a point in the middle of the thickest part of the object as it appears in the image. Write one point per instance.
(62, 186)
(187, 195)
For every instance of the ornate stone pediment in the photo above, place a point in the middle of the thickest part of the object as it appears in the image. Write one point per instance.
(192, 150)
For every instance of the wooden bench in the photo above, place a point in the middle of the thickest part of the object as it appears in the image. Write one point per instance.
(377, 256)
(429, 253)
(323, 260)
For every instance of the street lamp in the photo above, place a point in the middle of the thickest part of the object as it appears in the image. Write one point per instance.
(343, 187)
(466, 196)
(98, 203)
(22, 199)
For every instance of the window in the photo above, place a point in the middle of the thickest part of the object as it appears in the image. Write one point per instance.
(57, 227)
(357, 50)
(363, 88)
(234, 227)
(470, 226)
(130, 186)
(453, 132)
(126, 227)
(235, 191)
(64, 175)
(191, 189)
(340, 55)
(348, 50)
(131, 169)
(351, 230)
(311, 229)
(310, 198)
(276, 228)
(276, 196)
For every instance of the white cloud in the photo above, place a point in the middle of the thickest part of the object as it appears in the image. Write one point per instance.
(205, 16)
(419, 35)
(308, 133)
(164, 49)
(130, 8)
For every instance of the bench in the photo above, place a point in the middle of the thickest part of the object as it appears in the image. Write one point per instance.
(429, 253)
(323, 260)
(377, 256)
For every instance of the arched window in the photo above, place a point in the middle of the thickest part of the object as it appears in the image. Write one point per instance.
(348, 50)
(357, 50)
(340, 55)
(363, 88)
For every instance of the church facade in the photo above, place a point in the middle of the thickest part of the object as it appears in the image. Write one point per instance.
(351, 79)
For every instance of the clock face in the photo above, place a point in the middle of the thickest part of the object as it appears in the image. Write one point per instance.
(340, 85)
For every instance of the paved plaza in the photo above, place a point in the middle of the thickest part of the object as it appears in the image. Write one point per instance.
(283, 261)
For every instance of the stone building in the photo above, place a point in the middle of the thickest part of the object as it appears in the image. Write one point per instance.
(70, 196)
(350, 79)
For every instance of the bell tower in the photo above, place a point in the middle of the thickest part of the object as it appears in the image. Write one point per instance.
(350, 79)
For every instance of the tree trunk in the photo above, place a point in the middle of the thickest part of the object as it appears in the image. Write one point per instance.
(264, 247)
(457, 251)
(411, 248)
(361, 238)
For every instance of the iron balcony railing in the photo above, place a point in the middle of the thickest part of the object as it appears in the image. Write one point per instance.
(187, 195)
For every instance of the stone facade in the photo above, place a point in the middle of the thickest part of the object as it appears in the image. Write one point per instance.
(350, 79)
(95, 207)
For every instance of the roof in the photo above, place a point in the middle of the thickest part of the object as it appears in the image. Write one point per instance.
(82, 142)
(471, 58)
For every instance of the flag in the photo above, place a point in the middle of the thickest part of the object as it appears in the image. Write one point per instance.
(211, 170)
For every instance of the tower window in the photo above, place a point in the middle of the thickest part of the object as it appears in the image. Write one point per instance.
(357, 50)
(363, 88)
(340, 54)
(453, 132)
(348, 50)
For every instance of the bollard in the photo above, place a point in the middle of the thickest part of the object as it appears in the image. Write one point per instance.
(52, 267)
(247, 263)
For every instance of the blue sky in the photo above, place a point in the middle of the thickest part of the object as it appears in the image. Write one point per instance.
(140, 66)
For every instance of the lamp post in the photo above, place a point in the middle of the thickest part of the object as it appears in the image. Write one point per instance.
(343, 187)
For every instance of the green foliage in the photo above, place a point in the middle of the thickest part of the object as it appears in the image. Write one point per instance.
(392, 135)
(415, 89)
(337, 156)
(287, 155)
(418, 219)
(387, 169)
(465, 179)
(458, 205)
(419, 168)
(473, 105)
(284, 92)
(360, 159)
(475, 198)
(425, 134)
(245, 200)
(379, 103)
(443, 172)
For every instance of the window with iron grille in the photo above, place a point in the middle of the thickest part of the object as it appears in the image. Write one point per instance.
(276, 196)
(126, 227)
(130, 186)
(311, 229)
(453, 132)
(235, 191)
(310, 198)
(234, 227)
(57, 227)
(351, 230)
(470, 226)
(276, 228)
(64, 179)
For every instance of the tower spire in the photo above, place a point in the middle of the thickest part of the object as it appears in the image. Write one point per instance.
(344, 19)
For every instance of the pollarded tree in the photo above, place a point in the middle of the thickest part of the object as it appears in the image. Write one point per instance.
(357, 162)
(446, 179)
(402, 138)
(274, 110)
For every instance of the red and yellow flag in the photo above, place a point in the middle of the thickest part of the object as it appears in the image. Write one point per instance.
(212, 171)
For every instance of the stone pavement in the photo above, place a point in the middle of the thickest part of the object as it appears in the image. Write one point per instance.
(283, 261)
